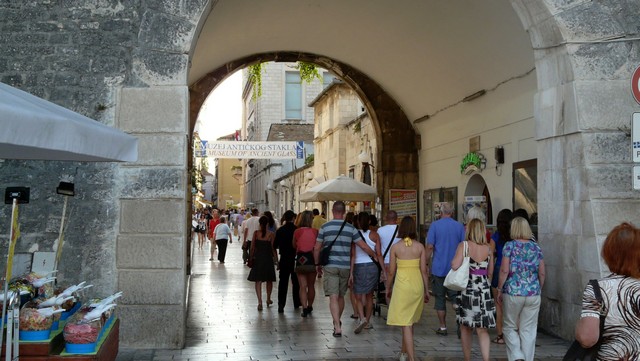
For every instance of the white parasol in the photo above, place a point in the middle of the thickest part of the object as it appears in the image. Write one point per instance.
(33, 128)
(341, 188)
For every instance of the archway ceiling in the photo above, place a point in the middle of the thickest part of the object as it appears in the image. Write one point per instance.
(426, 54)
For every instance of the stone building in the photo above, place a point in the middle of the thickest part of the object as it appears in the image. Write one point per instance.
(544, 79)
(227, 185)
(343, 137)
(283, 100)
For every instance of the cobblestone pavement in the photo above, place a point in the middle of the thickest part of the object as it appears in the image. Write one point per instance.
(224, 324)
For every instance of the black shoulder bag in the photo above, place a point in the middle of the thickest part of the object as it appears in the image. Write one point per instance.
(576, 351)
(326, 251)
(390, 243)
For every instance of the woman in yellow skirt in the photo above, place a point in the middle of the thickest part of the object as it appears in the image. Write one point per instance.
(407, 282)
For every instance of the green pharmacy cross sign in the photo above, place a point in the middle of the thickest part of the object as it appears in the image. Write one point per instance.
(472, 162)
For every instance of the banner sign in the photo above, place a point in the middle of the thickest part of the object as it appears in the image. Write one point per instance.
(251, 150)
(404, 202)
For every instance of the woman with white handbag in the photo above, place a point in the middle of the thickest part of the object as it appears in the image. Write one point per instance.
(476, 308)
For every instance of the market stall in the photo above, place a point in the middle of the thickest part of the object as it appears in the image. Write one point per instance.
(43, 323)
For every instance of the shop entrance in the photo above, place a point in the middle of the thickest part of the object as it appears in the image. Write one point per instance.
(477, 193)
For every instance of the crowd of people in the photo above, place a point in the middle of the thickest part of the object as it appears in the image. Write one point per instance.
(506, 274)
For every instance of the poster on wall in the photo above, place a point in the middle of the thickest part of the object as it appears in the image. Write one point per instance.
(404, 202)
(471, 201)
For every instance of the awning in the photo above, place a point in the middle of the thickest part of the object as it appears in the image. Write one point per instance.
(33, 128)
(341, 188)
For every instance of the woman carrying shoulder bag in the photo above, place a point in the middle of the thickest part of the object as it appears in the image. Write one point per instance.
(476, 308)
(621, 299)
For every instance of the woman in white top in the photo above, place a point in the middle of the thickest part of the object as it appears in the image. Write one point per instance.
(222, 234)
(365, 273)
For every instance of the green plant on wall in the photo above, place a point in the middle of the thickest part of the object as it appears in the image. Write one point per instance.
(196, 178)
(357, 127)
(471, 159)
(255, 77)
(308, 72)
(309, 159)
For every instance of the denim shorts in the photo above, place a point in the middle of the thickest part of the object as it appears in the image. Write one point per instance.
(365, 278)
(440, 292)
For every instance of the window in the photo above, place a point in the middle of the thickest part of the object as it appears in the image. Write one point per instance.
(525, 189)
(293, 95)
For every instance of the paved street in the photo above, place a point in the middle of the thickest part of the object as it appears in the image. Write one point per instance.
(223, 324)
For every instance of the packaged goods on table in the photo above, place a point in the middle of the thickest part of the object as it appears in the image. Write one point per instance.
(24, 288)
(81, 331)
(35, 324)
(33, 320)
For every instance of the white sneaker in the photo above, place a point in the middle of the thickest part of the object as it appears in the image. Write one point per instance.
(403, 357)
(360, 327)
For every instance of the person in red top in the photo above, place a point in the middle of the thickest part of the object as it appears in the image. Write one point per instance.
(213, 222)
(304, 239)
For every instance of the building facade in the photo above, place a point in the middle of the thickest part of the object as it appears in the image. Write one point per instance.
(344, 142)
(284, 99)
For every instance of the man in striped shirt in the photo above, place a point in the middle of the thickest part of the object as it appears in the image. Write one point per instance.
(336, 273)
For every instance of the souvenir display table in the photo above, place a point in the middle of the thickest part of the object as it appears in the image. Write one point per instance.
(53, 349)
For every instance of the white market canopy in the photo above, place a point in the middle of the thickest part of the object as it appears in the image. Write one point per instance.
(341, 188)
(33, 128)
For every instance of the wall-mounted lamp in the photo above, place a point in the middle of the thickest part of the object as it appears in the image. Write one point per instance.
(309, 176)
(269, 186)
(20, 194)
(499, 155)
(66, 189)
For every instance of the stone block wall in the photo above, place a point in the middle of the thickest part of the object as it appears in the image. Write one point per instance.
(125, 65)
(583, 115)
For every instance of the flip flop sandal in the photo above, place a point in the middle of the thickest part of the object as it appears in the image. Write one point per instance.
(499, 340)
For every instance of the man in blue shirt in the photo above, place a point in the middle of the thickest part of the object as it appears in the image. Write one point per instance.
(442, 241)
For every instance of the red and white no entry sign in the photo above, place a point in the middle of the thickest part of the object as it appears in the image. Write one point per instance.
(635, 85)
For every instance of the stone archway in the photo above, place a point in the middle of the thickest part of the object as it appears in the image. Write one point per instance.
(584, 56)
(395, 136)
(128, 66)
(581, 102)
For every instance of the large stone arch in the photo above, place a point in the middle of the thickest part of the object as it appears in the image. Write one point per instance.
(585, 53)
(396, 138)
(128, 67)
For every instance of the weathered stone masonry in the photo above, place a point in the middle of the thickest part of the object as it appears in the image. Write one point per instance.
(127, 225)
